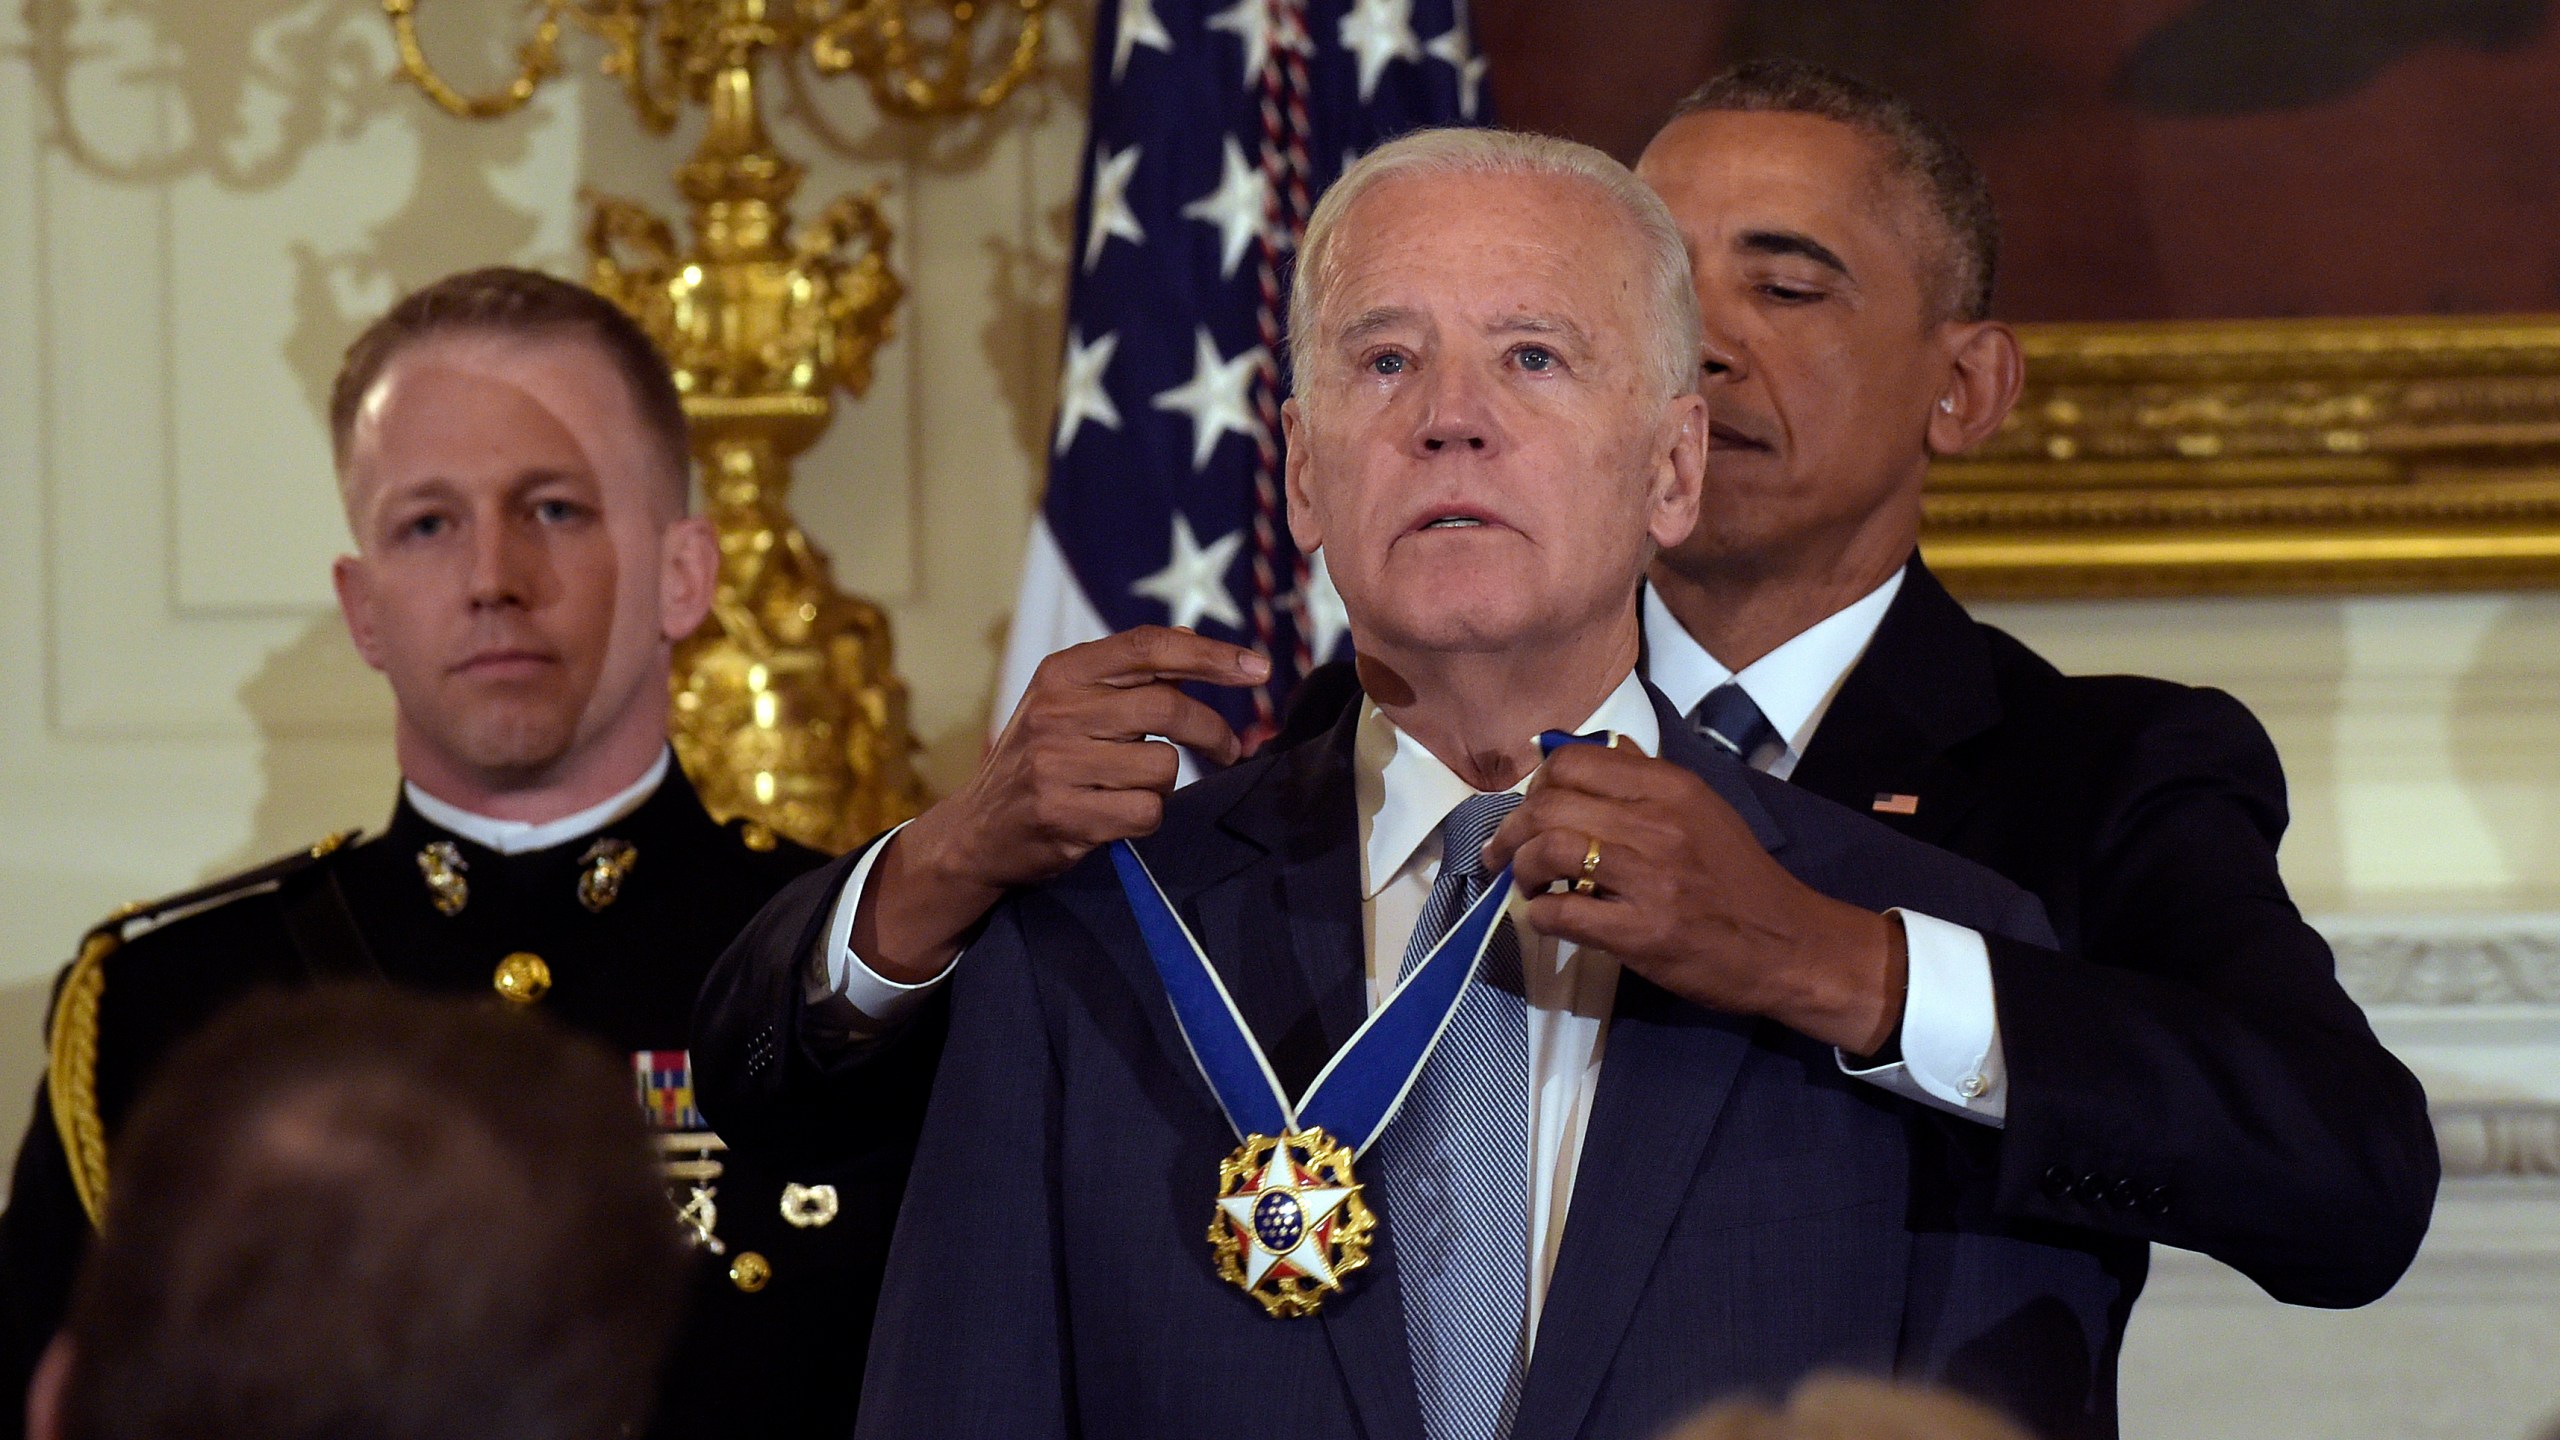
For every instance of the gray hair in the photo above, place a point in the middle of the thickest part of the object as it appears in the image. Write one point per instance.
(1674, 311)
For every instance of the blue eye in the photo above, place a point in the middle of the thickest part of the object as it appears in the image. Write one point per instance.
(425, 526)
(553, 512)
(1536, 358)
(1387, 364)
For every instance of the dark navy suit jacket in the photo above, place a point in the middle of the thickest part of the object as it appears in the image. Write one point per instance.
(1743, 1212)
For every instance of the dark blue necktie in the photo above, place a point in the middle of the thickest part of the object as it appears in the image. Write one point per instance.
(1457, 1167)
(1729, 720)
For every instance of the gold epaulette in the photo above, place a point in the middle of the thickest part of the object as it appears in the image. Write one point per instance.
(71, 1071)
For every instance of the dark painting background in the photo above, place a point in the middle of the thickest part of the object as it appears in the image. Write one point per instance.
(2152, 159)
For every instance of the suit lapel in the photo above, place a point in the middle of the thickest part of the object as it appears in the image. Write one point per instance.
(1289, 848)
(1666, 1072)
(1924, 686)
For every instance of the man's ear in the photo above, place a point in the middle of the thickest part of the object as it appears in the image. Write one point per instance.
(688, 575)
(1680, 471)
(1304, 528)
(45, 1391)
(1986, 370)
(353, 580)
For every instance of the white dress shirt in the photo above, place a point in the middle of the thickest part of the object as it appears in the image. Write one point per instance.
(1405, 793)
(1950, 1027)
(854, 999)
(522, 837)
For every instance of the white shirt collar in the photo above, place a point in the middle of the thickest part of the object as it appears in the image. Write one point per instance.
(1405, 792)
(1793, 685)
(518, 837)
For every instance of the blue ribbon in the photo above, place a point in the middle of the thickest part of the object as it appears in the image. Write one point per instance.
(1360, 1089)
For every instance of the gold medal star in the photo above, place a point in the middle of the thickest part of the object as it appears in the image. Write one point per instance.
(1280, 1216)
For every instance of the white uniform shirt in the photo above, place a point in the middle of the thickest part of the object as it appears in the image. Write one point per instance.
(522, 837)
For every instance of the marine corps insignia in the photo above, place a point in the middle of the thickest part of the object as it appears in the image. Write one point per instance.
(602, 870)
(441, 865)
(807, 1207)
(1290, 1221)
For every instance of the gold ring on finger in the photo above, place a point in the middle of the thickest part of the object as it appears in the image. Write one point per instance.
(1590, 868)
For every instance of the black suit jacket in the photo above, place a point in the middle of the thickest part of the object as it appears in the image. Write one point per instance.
(1745, 1213)
(2187, 1068)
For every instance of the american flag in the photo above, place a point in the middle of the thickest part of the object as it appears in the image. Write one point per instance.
(1215, 127)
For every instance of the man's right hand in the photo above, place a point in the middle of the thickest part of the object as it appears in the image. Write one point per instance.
(1074, 769)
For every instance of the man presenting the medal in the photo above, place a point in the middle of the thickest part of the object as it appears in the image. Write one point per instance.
(1473, 1178)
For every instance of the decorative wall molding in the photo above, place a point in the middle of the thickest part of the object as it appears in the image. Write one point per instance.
(2449, 961)
(2499, 1139)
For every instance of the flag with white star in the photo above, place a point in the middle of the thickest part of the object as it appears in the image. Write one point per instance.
(1216, 124)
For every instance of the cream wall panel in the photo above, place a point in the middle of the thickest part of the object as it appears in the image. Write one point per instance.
(2461, 1350)
(2420, 734)
(188, 490)
(264, 287)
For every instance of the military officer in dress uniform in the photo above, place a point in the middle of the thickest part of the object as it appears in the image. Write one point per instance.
(514, 463)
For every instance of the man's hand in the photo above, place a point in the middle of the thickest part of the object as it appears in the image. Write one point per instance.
(1688, 899)
(1073, 770)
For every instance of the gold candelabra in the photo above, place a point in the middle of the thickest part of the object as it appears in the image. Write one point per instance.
(787, 706)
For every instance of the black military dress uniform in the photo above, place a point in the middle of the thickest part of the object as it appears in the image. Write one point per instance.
(611, 933)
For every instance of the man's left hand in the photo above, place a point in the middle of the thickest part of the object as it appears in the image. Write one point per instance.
(1686, 897)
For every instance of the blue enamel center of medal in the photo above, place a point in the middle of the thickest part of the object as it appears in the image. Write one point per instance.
(1278, 1223)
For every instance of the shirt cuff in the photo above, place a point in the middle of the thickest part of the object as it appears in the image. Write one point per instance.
(864, 1002)
(1950, 1026)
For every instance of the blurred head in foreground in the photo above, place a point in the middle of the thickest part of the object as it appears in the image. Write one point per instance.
(1852, 1407)
(355, 1213)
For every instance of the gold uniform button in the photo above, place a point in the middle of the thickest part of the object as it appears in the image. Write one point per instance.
(750, 1271)
(757, 836)
(522, 978)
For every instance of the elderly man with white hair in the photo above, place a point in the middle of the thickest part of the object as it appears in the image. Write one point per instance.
(1289, 1116)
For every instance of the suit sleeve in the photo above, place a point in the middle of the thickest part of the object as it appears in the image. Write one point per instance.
(2198, 1076)
(773, 1075)
(971, 1339)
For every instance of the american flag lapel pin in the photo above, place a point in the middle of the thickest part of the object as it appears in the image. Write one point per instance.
(1896, 805)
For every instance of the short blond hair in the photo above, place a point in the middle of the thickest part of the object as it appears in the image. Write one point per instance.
(1674, 311)
(505, 301)
(1853, 1407)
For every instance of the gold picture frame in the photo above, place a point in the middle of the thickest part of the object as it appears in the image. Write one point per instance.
(2264, 456)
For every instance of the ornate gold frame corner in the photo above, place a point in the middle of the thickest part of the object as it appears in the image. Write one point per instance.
(2264, 456)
